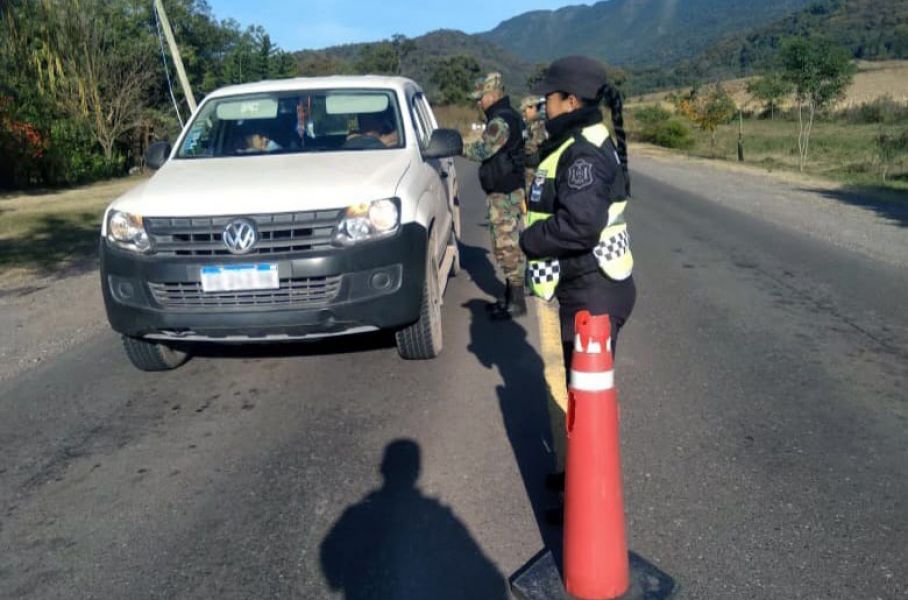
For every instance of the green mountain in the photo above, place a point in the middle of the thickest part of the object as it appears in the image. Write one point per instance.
(419, 62)
(635, 32)
(661, 43)
(869, 29)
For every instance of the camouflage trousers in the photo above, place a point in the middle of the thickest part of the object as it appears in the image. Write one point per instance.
(505, 221)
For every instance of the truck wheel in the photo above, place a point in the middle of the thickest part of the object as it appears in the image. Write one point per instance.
(455, 264)
(423, 339)
(153, 356)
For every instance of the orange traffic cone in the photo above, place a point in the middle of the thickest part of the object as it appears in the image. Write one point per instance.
(595, 543)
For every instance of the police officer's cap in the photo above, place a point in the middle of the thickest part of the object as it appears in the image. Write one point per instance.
(578, 75)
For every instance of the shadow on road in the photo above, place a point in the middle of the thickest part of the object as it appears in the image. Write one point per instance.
(55, 246)
(345, 344)
(522, 397)
(889, 204)
(399, 544)
(475, 260)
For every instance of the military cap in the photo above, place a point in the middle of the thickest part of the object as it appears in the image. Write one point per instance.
(577, 75)
(486, 85)
(529, 101)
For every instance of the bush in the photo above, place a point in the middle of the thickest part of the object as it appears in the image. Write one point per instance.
(670, 133)
(652, 114)
(891, 148)
(882, 110)
(73, 156)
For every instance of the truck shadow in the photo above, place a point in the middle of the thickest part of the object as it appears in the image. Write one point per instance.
(364, 342)
(398, 543)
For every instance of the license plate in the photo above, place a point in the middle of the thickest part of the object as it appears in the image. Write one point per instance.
(235, 278)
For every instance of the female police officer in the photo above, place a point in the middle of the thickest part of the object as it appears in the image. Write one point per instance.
(576, 237)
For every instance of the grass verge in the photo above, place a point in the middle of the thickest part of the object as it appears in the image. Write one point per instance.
(53, 233)
(846, 153)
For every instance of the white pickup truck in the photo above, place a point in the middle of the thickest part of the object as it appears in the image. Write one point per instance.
(288, 210)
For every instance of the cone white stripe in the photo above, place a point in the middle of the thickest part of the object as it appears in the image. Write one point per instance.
(578, 345)
(594, 347)
(592, 382)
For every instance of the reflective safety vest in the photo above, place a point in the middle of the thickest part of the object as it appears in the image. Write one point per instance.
(613, 253)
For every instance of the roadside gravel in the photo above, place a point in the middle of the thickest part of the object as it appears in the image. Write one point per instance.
(43, 317)
(873, 224)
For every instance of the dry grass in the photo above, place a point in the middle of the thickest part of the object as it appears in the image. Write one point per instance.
(839, 151)
(873, 80)
(48, 232)
(461, 118)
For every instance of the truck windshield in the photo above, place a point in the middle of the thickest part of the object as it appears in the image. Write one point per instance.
(295, 122)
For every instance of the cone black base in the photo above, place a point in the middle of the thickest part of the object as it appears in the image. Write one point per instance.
(540, 579)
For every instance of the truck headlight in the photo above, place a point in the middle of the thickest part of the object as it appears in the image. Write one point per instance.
(126, 230)
(368, 221)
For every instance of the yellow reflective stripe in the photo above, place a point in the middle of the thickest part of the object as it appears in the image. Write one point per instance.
(550, 164)
(534, 217)
(616, 213)
(596, 134)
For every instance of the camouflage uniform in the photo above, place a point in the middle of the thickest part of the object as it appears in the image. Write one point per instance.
(535, 135)
(505, 216)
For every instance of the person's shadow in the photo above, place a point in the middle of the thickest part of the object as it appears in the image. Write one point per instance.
(397, 544)
(523, 395)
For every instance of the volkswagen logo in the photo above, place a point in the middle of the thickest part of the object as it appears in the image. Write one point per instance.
(240, 236)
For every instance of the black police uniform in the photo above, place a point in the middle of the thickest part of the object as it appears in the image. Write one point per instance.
(580, 215)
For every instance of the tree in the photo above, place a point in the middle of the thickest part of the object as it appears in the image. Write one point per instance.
(403, 47)
(83, 84)
(454, 77)
(769, 90)
(707, 108)
(820, 73)
(378, 59)
(537, 74)
(92, 72)
(318, 64)
(891, 148)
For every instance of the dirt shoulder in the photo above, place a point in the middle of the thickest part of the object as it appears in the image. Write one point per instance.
(869, 221)
(50, 298)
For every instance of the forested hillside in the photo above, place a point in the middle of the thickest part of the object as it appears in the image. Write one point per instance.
(423, 58)
(635, 32)
(868, 29)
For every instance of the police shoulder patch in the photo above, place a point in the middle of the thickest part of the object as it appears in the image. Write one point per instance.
(580, 174)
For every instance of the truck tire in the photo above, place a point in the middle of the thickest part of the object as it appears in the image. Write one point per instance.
(423, 339)
(455, 264)
(153, 356)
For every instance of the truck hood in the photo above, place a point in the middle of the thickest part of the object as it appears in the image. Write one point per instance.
(266, 184)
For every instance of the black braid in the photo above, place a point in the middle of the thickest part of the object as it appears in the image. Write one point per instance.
(612, 98)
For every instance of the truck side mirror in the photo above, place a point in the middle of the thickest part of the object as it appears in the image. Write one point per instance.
(157, 154)
(444, 143)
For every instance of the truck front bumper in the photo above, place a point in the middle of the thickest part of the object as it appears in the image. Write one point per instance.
(376, 285)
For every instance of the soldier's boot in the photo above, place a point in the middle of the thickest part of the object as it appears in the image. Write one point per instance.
(516, 306)
(500, 303)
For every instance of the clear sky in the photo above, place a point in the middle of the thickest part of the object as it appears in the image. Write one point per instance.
(302, 24)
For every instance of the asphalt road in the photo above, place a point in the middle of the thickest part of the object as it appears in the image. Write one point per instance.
(765, 440)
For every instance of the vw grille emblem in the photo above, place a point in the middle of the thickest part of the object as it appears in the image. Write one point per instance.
(240, 236)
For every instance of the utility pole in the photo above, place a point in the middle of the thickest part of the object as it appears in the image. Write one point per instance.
(740, 134)
(175, 53)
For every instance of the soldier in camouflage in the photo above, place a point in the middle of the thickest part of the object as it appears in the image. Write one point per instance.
(533, 110)
(501, 175)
